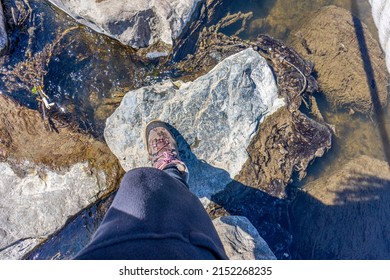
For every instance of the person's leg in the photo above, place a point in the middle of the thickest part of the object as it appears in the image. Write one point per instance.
(157, 213)
(154, 215)
(178, 175)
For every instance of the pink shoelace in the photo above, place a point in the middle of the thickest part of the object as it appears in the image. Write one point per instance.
(166, 157)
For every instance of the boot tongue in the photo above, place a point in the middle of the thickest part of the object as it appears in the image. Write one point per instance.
(160, 144)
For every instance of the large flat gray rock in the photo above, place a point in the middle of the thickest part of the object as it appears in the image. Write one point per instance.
(36, 201)
(217, 115)
(134, 23)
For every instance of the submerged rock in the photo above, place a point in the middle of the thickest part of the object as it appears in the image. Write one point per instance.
(241, 240)
(23, 136)
(345, 215)
(338, 44)
(284, 144)
(217, 115)
(47, 177)
(134, 23)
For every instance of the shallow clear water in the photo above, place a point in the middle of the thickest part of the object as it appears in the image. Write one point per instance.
(88, 67)
(279, 18)
(84, 68)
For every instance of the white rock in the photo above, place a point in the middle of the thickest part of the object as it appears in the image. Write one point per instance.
(241, 240)
(135, 23)
(19, 249)
(217, 114)
(381, 16)
(39, 202)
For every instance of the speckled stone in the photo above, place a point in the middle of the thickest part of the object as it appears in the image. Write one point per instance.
(134, 23)
(216, 115)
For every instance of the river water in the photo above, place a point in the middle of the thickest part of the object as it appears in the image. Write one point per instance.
(87, 69)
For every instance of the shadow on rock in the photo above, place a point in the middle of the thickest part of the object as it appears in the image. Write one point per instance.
(66, 243)
(374, 88)
(266, 213)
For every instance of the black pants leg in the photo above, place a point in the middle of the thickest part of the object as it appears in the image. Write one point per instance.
(155, 216)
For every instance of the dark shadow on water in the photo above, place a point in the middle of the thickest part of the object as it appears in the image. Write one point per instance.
(370, 77)
(348, 221)
(353, 224)
(208, 14)
(269, 215)
(74, 236)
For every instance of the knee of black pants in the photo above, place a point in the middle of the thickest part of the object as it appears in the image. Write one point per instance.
(143, 188)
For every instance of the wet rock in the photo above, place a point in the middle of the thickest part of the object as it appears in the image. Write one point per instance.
(213, 209)
(345, 74)
(217, 115)
(283, 145)
(47, 177)
(3, 32)
(344, 215)
(134, 23)
(241, 240)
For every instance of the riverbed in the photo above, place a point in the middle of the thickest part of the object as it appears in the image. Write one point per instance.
(88, 73)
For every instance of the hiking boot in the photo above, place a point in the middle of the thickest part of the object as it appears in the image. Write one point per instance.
(162, 147)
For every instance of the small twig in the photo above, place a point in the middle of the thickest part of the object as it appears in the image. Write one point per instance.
(13, 16)
(303, 89)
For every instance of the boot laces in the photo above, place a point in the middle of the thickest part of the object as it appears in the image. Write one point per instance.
(163, 158)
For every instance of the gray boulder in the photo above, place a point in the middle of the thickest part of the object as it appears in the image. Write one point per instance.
(134, 23)
(217, 115)
(37, 201)
(241, 240)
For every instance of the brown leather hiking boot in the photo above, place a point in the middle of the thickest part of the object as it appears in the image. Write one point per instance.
(162, 146)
